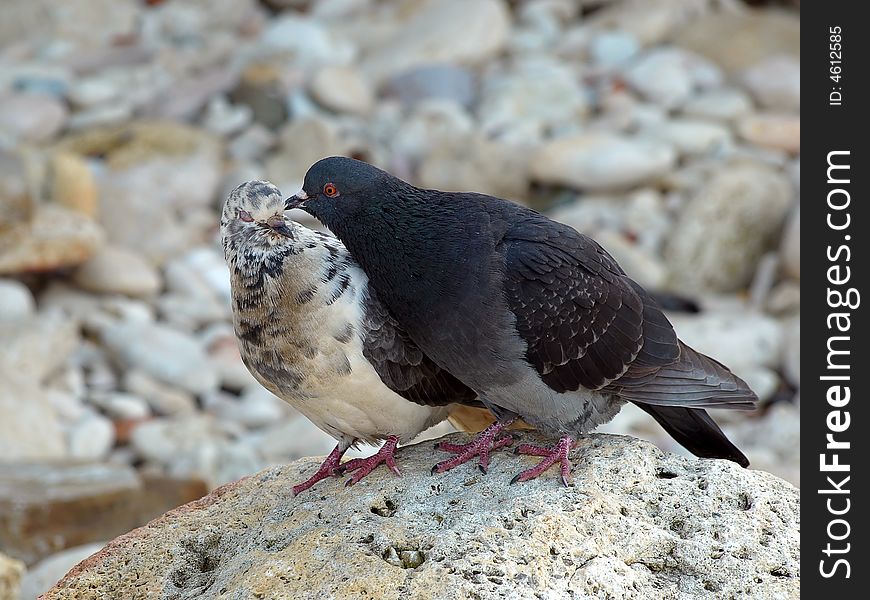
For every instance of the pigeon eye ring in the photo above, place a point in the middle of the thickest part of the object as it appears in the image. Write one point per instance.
(245, 216)
(330, 190)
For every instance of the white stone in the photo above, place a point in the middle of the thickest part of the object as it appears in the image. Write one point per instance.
(33, 118)
(724, 229)
(641, 266)
(306, 42)
(690, 137)
(91, 438)
(725, 104)
(44, 574)
(115, 270)
(776, 82)
(790, 250)
(120, 405)
(254, 409)
(599, 161)
(16, 301)
(669, 76)
(343, 90)
(37, 347)
(466, 32)
(166, 354)
(93, 91)
(537, 96)
(163, 399)
(224, 118)
(29, 427)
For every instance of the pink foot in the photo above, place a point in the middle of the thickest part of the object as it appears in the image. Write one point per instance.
(364, 466)
(481, 446)
(327, 469)
(558, 452)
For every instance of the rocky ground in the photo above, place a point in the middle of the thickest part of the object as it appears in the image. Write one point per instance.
(667, 129)
(656, 526)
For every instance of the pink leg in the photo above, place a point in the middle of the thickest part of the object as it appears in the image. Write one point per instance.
(481, 446)
(558, 452)
(327, 469)
(364, 466)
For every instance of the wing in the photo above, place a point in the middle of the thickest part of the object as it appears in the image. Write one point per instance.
(402, 366)
(582, 322)
(586, 323)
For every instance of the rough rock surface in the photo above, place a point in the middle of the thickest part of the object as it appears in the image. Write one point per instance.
(636, 523)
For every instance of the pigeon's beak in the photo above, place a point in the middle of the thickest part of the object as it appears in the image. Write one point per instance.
(297, 201)
(278, 224)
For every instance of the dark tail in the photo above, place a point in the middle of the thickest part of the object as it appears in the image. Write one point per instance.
(696, 431)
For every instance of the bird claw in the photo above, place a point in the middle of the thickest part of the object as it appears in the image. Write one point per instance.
(364, 466)
(481, 446)
(558, 453)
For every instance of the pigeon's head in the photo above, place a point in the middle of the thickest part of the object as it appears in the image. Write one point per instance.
(335, 189)
(253, 222)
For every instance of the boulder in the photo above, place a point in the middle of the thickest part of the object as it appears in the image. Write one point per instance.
(635, 523)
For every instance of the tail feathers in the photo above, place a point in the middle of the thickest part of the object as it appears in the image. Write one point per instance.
(696, 431)
(695, 380)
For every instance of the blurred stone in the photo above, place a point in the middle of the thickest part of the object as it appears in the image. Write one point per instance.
(11, 571)
(441, 81)
(431, 123)
(724, 104)
(47, 507)
(120, 405)
(775, 82)
(475, 163)
(464, 32)
(669, 76)
(16, 202)
(92, 91)
(101, 116)
(601, 161)
(533, 100)
(612, 49)
(186, 98)
(252, 144)
(302, 143)
(29, 427)
(91, 438)
(784, 298)
(114, 270)
(224, 118)
(725, 228)
(689, 136)
(651, 22)
(33, 118)
(791, 360)
(774, 131)
(55, 237)
(41, 576)
(191, 312)
(305, 43)
(254, 409)
(752, 35)
(166, 354)
(72, 184)
(790, 250)
(294, 438)
(36, 347)
(200, 273)
(263, 90)
(343, 90)
(163, 399)
(16, 301)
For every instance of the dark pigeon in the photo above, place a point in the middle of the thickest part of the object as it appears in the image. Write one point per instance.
(534, 317)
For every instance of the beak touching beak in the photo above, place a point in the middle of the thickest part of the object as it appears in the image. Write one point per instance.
(279, 225)
(297, 201)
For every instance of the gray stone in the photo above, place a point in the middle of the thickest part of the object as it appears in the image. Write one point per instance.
(120, 405)
(29, 427)
(163, 399)
(33, 118)
(790, 250)
(724, 229)
(166, 354)
(114, 270)
(91, 438)
(669, 76)
(611, 49)
(444, 81)
(775, 82)
(723, 104)
(671, 526)
(598, 161)
(691, 137)
(476, 30)
(343, 90)
(37, 347)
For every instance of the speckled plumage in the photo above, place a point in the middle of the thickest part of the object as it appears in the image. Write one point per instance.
(299, 312)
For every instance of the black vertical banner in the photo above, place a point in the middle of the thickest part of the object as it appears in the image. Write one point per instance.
(835, 419)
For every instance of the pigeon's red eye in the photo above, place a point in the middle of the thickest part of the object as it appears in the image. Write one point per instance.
(245, 216)
(330, 190)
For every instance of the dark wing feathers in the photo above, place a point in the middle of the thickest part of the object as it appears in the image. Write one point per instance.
(401, 364)
(585, 323)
